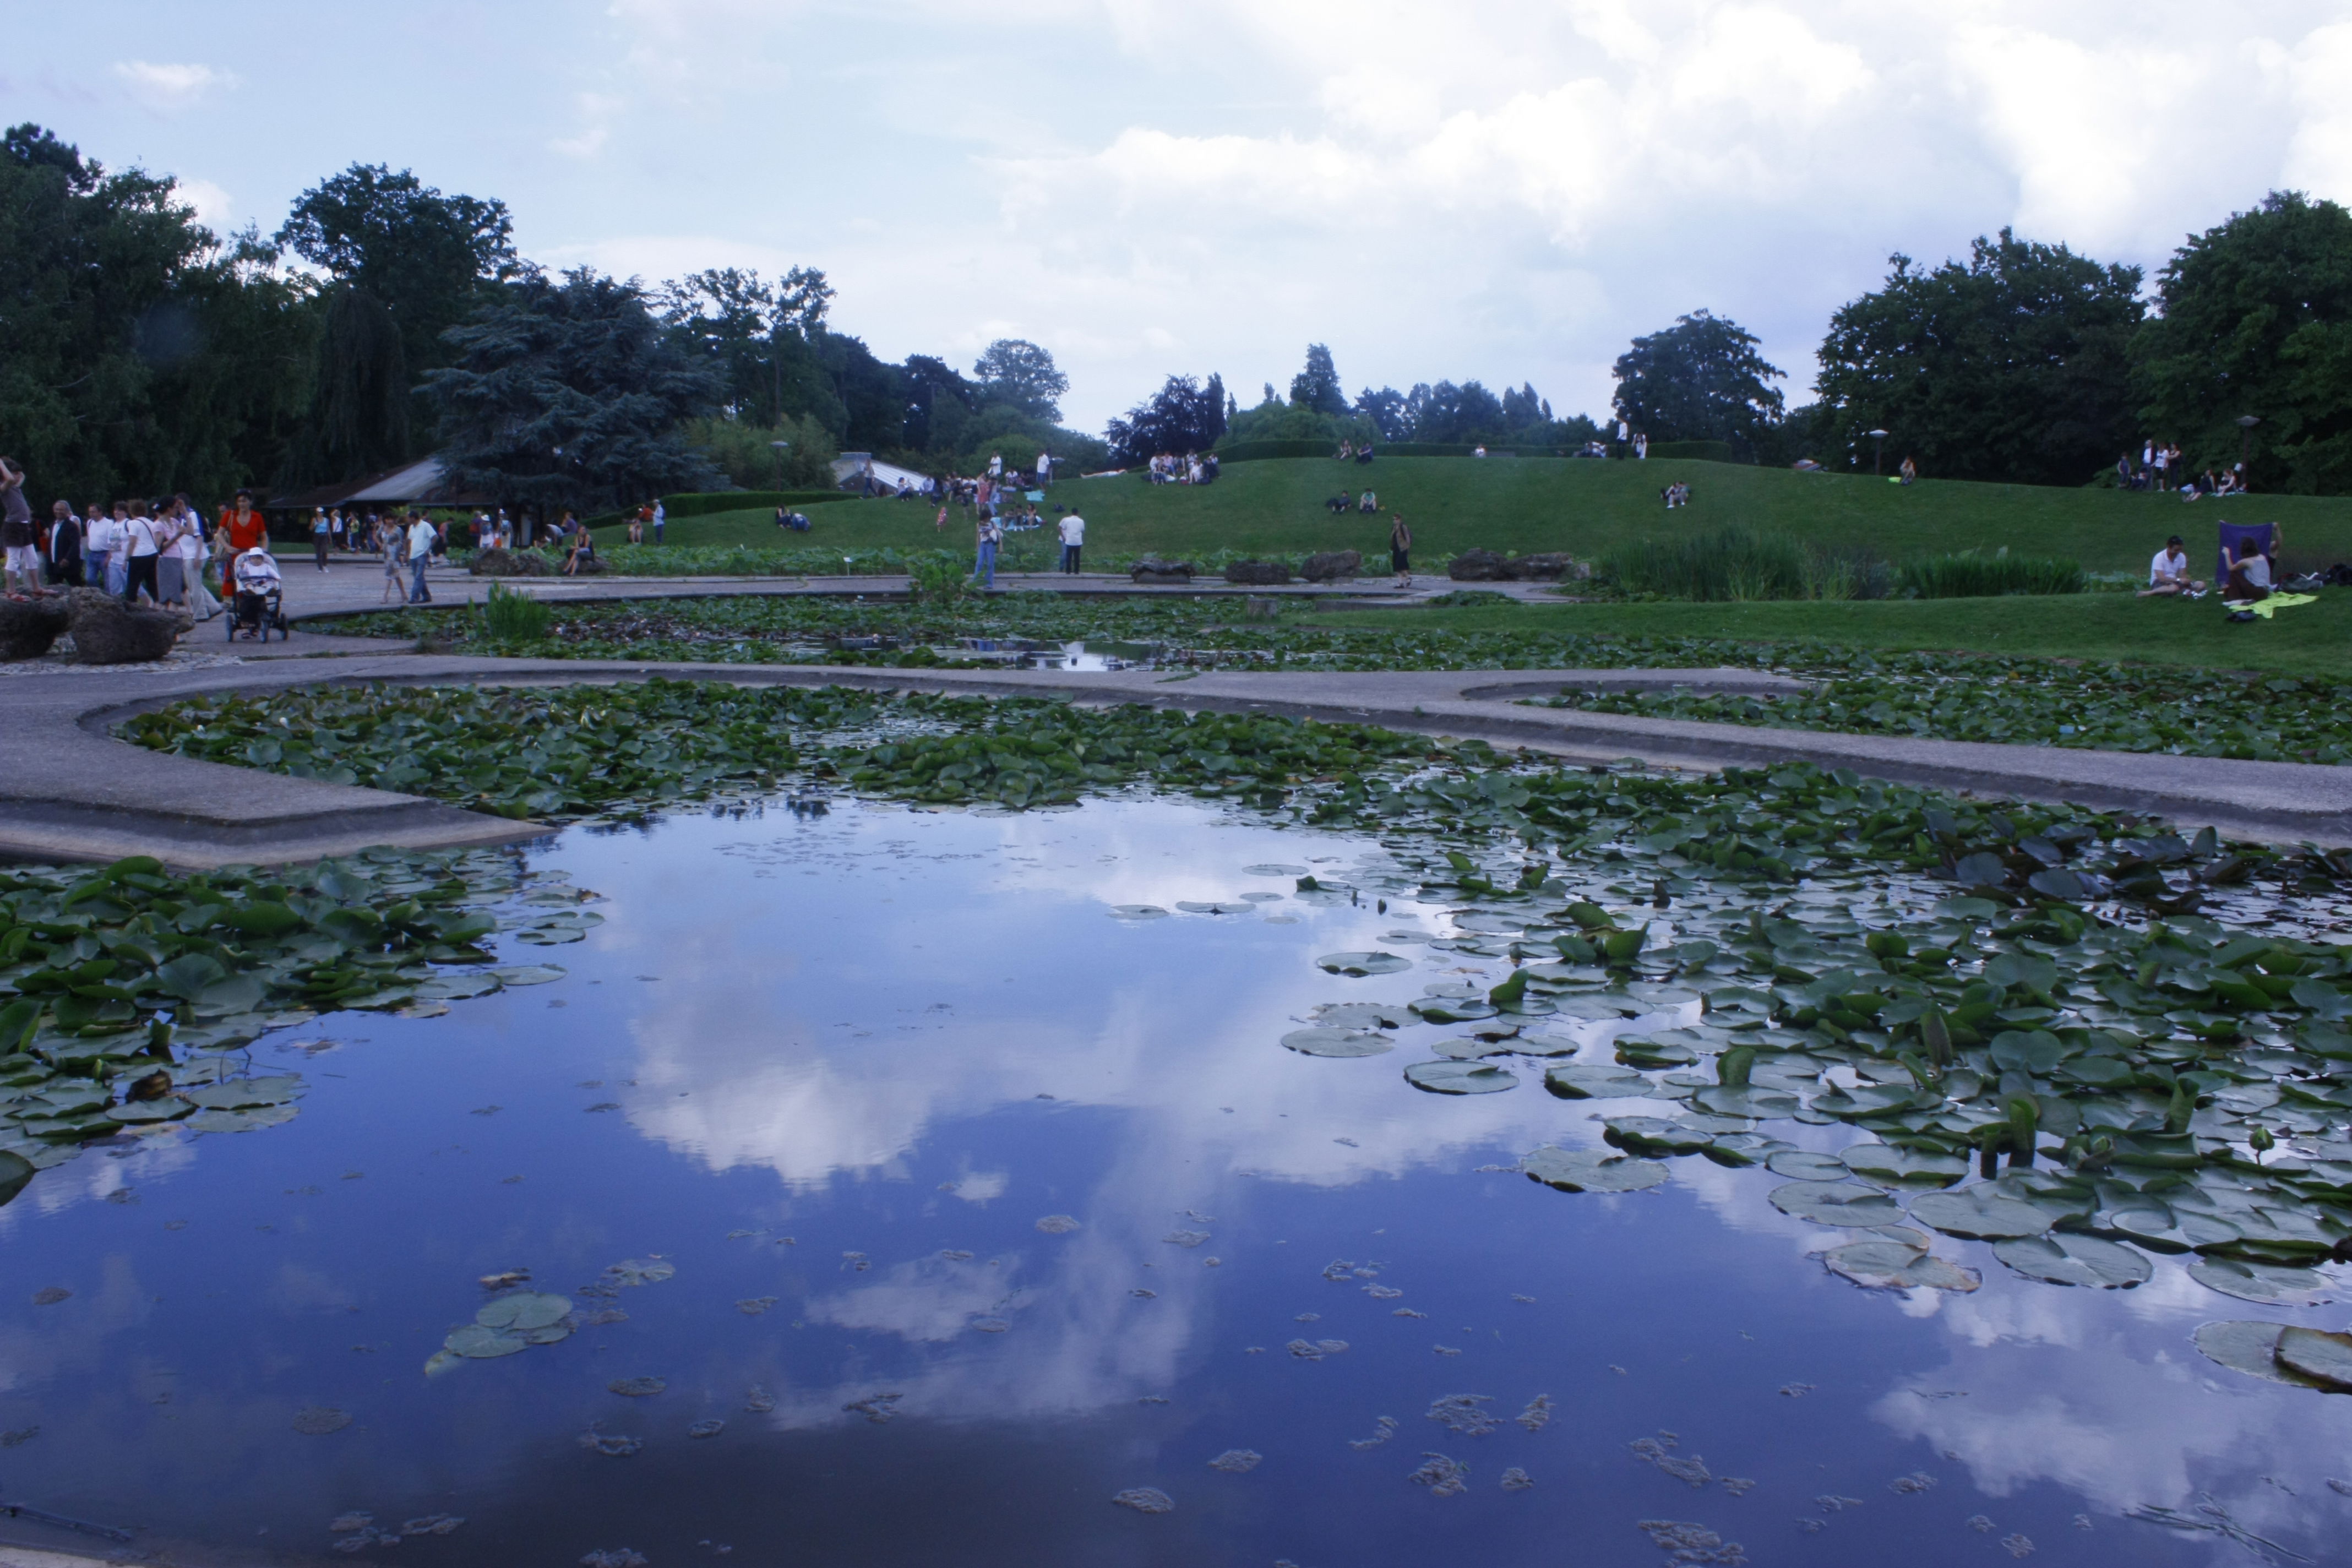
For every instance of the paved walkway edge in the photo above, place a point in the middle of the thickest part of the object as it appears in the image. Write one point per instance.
(70, 791)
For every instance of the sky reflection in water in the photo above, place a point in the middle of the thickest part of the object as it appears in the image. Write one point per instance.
(881, 1045)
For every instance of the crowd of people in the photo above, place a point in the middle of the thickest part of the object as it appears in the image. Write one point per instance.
(1192, 468)
(164, 550)
(2161, 467)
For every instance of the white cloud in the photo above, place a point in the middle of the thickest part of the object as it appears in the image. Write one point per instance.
(170, 88)
(214, 207)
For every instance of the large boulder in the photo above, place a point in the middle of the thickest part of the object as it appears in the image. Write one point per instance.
(511, 563)
(1544, 566)
(108, 631)
(1163, 574)
(1478, 566)
(29, 625)
(1257, 572)
(1330, 565)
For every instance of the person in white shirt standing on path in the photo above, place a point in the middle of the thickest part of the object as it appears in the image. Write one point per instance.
(1074, 539)
(421, 537)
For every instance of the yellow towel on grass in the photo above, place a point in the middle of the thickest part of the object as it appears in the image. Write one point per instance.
(2282, 602)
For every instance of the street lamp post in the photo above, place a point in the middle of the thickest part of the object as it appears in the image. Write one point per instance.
(1877, 452)
(779, 448)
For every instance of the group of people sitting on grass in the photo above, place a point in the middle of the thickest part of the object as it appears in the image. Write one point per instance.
(1675, 495)
(1192, 469)
(2162, 468)
(1349, 452)
(2249, 572)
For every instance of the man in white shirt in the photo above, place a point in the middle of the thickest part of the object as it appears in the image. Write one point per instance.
(1044, 470)
(2168, 573)
(421, 537)
(1074, 539)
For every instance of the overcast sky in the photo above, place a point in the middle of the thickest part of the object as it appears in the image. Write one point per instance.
(1503, 189)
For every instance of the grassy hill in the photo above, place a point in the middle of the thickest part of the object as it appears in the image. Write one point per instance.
(1582, 507)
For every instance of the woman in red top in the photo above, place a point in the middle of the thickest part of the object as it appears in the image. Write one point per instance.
(241, 529)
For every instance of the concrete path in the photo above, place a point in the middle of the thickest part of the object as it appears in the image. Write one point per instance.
(69, 790)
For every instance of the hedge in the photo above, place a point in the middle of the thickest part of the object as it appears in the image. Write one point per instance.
(703, 503)
(1248, 451)
(1700, 451)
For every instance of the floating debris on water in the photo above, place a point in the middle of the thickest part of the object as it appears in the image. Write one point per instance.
(759, 1401)
(1237, 1461)
(1917, 1481)
(991, 1325)
(1736, 1486)
(636, 1387)
(1659, 1451)
(611, 1444)
(1144, 1295)
(856, 1262)
(49, 1296)
(1144, 1499)
(1186, 1238)
(320, 1420)
(1057, 1225)
(753, 1306)
(1444, 1349)
(1382, 1292)
(1692, 1544)
(615, 1557)
(1316, 1350)
(1307, 1318)
(1384, 1428)
(1516, 1480)
(1796, 1390)
(640, 1270)
(1465, 1414)
(1524, 1300)
(2209, 1515)
(1982, 1525)
(1537, 1414)
(1442, 1476)
(1407, 1312)
(1829, 1502)
(876, 1407)
(2017, 1545)
(710, 1428)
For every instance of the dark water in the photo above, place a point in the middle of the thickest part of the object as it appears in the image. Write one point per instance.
(875, 1042)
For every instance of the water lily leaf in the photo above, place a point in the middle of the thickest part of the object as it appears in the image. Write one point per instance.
(2251, 1348)
(1848, 1204)
(188, 975)
(526, 1310)
(1598, 1007)
(2036, 1051)
(1878, 1264)
(2009, 969)
(139, 1112)
(2153, 1225)
(1138, 911)
(1740, 1148)
(1743, 1100)
(1982, 1213)
(636, 1387)
(235, 1094)
(1591, 1170)
(248, 1120)
(476, 1342)
(1473, 1049)
(1363, 1015)
(1804, 1166)
(1212, 907)
(529, 973)
(238, 993)
(2064, 1257)
(2319, 1355)
(15, 1174)
(1885, 1165)
(1655, 1135)
(1322, 1042)
(1447, 1010)
(640, 1271)
(2270, 1284)
(1362, 964)
(1460, 1077)
(1597, 1080)
(1270, 870)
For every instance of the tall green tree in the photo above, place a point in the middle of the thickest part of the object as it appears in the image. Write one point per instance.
(138, 352)
(408, 263)
(2012, 365)
(1020, 375)
(1317, 386)
(2255, 317)
(1699, 380)
(570, 395)
(759, 336)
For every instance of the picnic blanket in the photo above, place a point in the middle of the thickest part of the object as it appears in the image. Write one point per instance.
(2276, 602)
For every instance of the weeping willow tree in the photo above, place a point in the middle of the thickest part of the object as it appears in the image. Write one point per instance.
(363, 398)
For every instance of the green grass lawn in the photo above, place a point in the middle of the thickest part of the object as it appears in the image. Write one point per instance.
(2311, 640)
(1582, 507)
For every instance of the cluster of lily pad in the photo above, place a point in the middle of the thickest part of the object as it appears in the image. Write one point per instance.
(127, 993)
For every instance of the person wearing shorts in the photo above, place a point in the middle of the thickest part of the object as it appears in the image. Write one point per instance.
(17, 533)
(1401, 550)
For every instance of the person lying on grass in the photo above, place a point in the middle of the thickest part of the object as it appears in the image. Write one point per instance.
(2168, 573)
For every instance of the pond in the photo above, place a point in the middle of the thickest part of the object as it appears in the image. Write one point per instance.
(918, 1183)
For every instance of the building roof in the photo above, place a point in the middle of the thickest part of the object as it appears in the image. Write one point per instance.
(420, 481)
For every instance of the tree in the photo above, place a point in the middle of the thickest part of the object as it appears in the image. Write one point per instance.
(2012, 366)
(1182, 417)
(427, 258)
(2256, 319)
(1385, 410)
(1699, 380)
(758, 334)
(1316, 387)
(570, 395)
(1453, 415)
(1019, 374)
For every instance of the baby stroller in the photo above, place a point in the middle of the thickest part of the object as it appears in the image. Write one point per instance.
(257, 608)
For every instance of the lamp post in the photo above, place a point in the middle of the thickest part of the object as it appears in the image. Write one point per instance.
(1877, 452)
(2246, 423)
(779, 448)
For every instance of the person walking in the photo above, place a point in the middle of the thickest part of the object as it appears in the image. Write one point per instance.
(143, 547)
(394, 547)
(321, 536)
(661, 519)
(1044, 469)
(171, 527)
(422, 537)
(1401, 550)
(242, 528)
(17, 534)
(989, 534)
(65, 545)
(1073, 541)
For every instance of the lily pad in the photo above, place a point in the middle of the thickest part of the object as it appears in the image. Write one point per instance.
(1362, 964)
(1471, 1049)
(1597, 1080)
(2270, 1284)
(1982, 1213)
(1212, 907)
(1656, 1135)
(1363, 1015)
(636, 1387)
(1886, 1165)
(1847, 1204)
(1876, 1263)
(1448, 1010)
(2319, 1355)
(529, 973)
(1271, 869)
(1743, 1099)
(1804, 1166)
(476, 1342)
(1139, 911)
(1591, 1170)
(2251, 1348)
(1338, 1042)
(15, 1174)
(526, 1310)
(1460, 1077)
(241, 1093)
(640, 1271)
(319, 1421)
(2064, 1257)
(248, 1120)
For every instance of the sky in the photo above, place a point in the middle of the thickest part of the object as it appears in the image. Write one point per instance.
(1509, 190)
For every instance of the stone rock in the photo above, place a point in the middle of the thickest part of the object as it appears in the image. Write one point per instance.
(1257, 572)
(108, 631)
(1478, 566)
(29, 625)
(1329, 565)
(1544, 566)
(512, 564)
(1164, 574)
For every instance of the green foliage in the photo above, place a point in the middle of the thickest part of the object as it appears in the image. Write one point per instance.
(1969, 576)
(2012, 366)
(1729, 565)
(1296, 432)
(510, 616)
(1023, 376)
(1696, 451)
(937, 577)
(1316, 389)
(1182, 417)
(1231, 451)
(2256, 319)
(1699, 380)
(747, 455)
(757, 334)
(569, 396)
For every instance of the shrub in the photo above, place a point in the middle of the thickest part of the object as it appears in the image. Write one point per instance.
(1968, 575)
(511, 616)
(937, 577)
(1728, 565)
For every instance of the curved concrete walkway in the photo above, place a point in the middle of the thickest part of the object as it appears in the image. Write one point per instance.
(70, 791)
